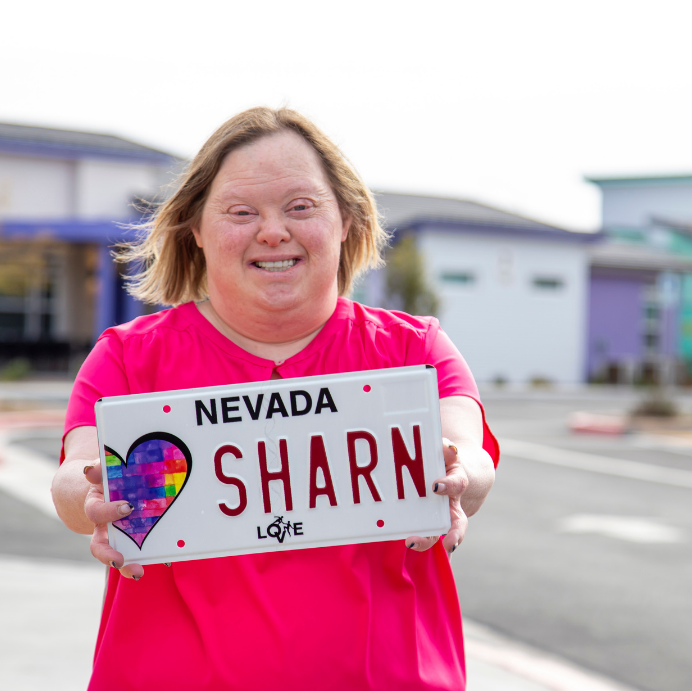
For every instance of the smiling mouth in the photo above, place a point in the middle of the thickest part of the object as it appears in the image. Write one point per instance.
(276, 266)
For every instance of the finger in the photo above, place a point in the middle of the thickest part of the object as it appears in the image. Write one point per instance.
(450, 452)
(456, 481)
(421, 544)
(133, 571)
(457, 530)
(92, 472)
(99, 511)
(102, 550)
(453, 484)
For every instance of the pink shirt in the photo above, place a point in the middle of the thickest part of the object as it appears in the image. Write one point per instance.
(370, 616)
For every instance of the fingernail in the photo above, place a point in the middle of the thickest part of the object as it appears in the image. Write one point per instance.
(413, 544)
(124, 509)
(167, 563)
(86, 467)
(136, 578)
(440, 487)
(456, 451)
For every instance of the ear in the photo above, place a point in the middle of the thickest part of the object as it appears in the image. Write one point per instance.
(198, 236)
(345, 228)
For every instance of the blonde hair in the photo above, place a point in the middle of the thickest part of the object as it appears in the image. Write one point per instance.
(173, 268)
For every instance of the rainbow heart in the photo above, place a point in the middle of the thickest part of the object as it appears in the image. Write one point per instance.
(153, 476)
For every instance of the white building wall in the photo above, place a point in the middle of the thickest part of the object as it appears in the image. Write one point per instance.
(503, 325)
(632, 205)
(105, 189)
(33, 188)
(36, 188)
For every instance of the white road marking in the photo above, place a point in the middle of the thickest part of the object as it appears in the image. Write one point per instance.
(628, 528)
(596, 464)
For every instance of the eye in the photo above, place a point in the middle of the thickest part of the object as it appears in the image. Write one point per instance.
(300, 205)
(243, 213)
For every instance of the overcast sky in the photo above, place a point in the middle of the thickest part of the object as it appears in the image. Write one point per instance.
(507, 102)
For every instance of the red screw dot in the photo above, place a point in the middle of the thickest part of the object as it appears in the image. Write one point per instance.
(166, 409)
(366, 388)
(380, 523)
(181, 543)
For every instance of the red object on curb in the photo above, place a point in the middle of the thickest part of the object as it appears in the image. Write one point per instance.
(590, 423)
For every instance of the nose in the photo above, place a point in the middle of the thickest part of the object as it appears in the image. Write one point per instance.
(273, 231)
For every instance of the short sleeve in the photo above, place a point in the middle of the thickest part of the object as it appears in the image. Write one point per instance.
(102, 374)
(454, 378)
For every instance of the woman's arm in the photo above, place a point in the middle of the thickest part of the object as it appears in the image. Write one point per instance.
(470, 470)
(70, 486)
(79, 501)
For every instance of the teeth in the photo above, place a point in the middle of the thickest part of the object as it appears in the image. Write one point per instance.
(276, 266)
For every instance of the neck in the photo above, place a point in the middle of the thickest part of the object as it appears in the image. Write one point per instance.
(276, 336)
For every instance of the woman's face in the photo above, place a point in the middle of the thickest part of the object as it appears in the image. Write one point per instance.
(271, 229)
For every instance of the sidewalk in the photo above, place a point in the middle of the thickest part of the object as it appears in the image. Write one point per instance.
(51, 608)
(51, 614)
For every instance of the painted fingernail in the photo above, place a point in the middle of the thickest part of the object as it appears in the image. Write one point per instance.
(440, 487)
(413, 544)
(167, 563)
(136, 578)
(86, 467)
(124, 509)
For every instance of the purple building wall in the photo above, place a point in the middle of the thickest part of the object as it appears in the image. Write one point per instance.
(616, 320)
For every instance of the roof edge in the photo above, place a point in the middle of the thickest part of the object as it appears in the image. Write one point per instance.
(551, 233)
(469, 201)
(638, 179)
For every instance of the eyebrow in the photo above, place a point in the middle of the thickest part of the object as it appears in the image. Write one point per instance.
(302, 188)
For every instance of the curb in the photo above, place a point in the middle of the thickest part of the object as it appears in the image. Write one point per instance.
(549, 671)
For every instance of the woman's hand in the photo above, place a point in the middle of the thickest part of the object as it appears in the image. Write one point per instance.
(79, 500)
(100, 513)
(469, 470)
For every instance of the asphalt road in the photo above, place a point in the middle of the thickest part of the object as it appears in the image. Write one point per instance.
(595, 568)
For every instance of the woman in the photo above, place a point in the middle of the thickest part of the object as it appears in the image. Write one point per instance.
(268, 229)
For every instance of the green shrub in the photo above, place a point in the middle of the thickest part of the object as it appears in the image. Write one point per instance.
(15, 369)
(656, 405)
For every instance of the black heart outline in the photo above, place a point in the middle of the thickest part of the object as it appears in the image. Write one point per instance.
(164, 436)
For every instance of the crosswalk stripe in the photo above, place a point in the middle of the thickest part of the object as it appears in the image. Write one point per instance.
(596, 464)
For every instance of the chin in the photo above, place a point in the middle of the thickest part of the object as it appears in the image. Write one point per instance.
(281, 300)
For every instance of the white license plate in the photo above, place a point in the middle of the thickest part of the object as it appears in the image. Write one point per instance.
(274, 465)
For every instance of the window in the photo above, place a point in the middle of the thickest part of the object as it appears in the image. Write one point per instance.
(651, 323)
(458, 277)
(651, 341)
(548, 283)
(26, 293)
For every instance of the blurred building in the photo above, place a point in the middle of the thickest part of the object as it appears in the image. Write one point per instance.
(514, 292)
(62, 196)
(640, 300)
